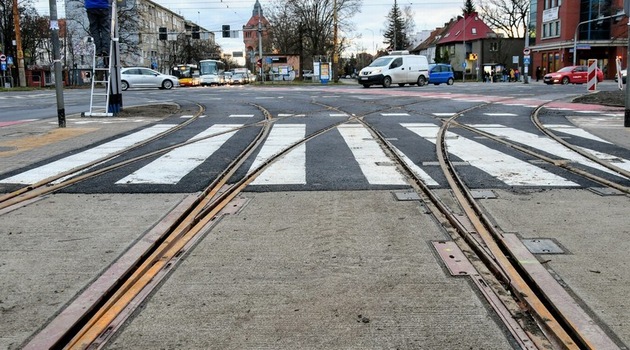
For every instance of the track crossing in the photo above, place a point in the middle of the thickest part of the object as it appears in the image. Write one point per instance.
(352, 153)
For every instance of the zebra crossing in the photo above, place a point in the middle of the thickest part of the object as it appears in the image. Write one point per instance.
(375, 166)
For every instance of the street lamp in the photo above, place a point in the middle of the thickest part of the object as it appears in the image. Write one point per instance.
(373, 46)
(575, 38)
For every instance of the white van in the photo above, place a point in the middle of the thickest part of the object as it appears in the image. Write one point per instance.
(397, 68)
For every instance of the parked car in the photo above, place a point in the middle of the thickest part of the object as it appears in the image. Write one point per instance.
(134, 77)
(441, 73)
(227, 78)
(238, 78)
(571, 75)
(623, 76)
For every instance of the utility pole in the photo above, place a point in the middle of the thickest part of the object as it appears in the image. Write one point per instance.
(18, 41)
(335, 55)
(54, 28)
(260, 47)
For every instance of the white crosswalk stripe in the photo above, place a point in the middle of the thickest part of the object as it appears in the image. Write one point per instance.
(506, 168)
(60, 166)
(374, 163)
(542, 143)
(174, 165)
(290, 169)
(375, 166)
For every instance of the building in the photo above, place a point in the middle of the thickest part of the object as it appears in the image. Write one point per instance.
(600, 28)
(139, 32)
(256, 27)
(472, 48)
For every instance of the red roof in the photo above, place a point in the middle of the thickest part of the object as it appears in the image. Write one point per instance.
(469, 28)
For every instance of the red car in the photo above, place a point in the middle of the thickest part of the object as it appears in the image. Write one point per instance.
(571, 75)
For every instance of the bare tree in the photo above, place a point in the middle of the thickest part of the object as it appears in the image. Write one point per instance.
(509, 17)
(315, 19)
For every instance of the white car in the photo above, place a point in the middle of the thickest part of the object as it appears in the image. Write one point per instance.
(135, 77)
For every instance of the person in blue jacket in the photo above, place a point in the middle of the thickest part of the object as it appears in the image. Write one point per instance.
(99, 15)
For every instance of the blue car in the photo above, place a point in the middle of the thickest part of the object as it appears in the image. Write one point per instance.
(441, 73)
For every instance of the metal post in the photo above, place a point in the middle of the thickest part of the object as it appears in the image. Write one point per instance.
(260, 47)
(54, 26)
(335, 63)
(115, 93)
(526, 70)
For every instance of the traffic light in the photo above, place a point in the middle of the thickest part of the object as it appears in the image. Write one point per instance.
(195, 32)
(162, 35)
(226, 30)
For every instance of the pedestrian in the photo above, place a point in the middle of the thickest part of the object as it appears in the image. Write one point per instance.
(506, 74)
(99, 15)
(511, 74)
(538, 73)
(517, 74)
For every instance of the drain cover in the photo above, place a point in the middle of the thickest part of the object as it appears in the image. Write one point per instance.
(407, 196)
(483, 194)
(542, 246)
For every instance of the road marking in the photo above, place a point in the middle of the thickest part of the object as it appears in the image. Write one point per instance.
(572, 130)
(171, 167)
(375, 165)
(395, 114)
(241, 116)
(544, 144)
(291, 168)
(501, 114)
(428, 180)
(62, 165)
(443, 114)
(504, 167)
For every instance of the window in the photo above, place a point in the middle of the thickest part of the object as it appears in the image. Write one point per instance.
(494, 46)
(474, 31)
(551, 29)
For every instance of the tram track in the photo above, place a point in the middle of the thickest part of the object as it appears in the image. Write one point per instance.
(217, 196)
(565, 324)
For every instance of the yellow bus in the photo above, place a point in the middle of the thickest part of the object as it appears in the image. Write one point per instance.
(188, 74)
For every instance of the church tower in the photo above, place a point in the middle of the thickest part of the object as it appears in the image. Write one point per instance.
(250, 30)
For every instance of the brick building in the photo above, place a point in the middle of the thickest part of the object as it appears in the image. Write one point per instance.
(600, 27)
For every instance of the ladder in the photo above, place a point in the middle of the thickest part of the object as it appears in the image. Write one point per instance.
(100, 75)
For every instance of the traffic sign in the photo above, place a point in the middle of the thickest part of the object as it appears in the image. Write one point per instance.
(526, 59)
(3, 57)
(526, 51)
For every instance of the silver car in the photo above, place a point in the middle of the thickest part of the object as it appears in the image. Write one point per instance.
(136, 77)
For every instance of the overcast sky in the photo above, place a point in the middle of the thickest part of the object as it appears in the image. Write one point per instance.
(370, 22)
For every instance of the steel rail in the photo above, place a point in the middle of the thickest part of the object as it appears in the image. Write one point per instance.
(7, 197)
(570, 326)
(214, 199)
(189, 226)
(45, 188)
(522, 289)
(536, 120)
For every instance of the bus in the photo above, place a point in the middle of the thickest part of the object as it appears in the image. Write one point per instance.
(211, 72)
(188, 74)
